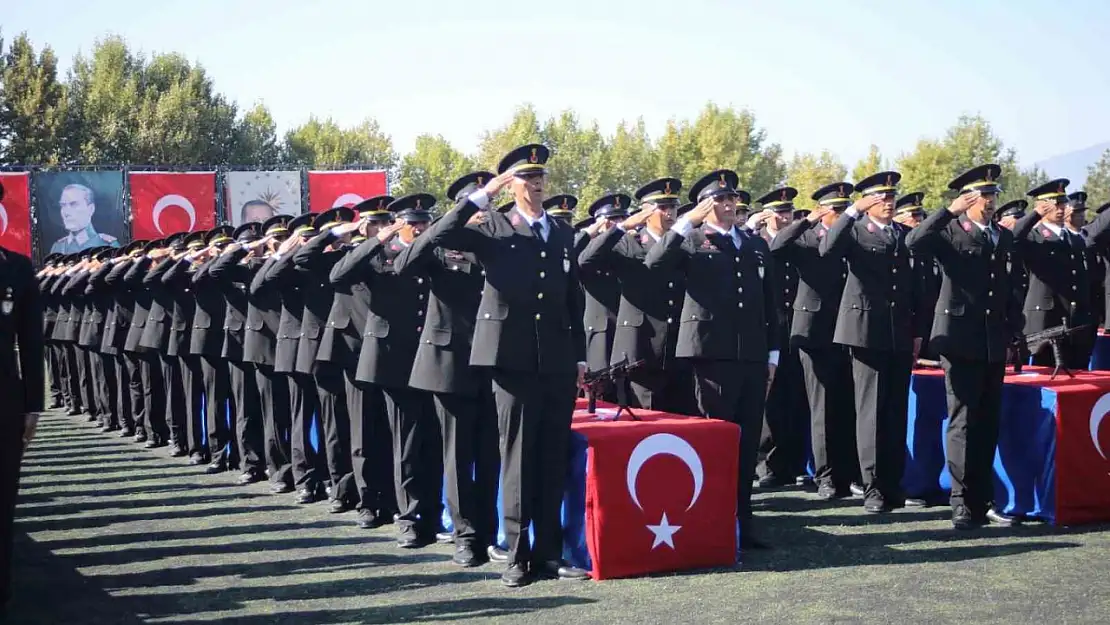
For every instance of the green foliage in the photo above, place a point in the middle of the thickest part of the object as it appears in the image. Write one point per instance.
(808, 172)
(873, 163)
(324, 144)
(431, 167)
(1098, 182)
(32, 104)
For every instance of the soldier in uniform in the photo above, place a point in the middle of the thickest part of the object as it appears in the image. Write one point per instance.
(529, 334)
(100, 298)
(463, 394)
(826, 366)
(260, 349)
(729, 329)
(342, 343)
(786, 417)
(650, 300)
(978, 318)
(280, 273)
(156, 335)
(129, 380)
(561, 207)
(155, 427)
(60, 336)
(21, 377)
(1075, 219)
(1104, 262)
(1008, 216)
(1059, 285)
(910, 212)
(177, 281)
(232, 275)
(58, 397)
(73, 300)
(601, 288)
(76, 206)
(876, 321)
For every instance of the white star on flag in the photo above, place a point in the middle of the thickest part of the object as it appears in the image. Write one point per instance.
(664, 533)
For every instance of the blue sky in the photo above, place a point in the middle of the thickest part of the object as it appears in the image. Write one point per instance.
(837, 75)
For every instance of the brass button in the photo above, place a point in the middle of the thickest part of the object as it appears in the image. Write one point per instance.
(543, 274)
(670, 319)
(988, 311)
(989, 293)
(740, 289)
(537, 316)
(420, 296)
(670, 285)
(419, 328)
(454, 267)
(420, 313)
(625, 323)
(420, 280)
(740, 304)
(739, 275)
(543, 254)
(670, 302)
(486, 315)
(539, 295)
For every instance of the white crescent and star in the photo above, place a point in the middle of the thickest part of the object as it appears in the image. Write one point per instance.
(173, 200)
(657, 445)
(1098, 413)
(347, 199)
(3, 220)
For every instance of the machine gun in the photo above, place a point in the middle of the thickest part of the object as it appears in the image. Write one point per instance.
(1053, 337)
(615, 374)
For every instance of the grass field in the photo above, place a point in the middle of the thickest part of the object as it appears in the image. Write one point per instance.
(110, 533)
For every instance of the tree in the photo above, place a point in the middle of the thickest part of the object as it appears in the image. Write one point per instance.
(726, 138)
(256, 141)
(431, 167)
(807, 173)
(32, 105)
(523, 128)
(103, 104)
(630, 161)
(319, 143)
(873, 163)
(571, 147)
(1098, 181)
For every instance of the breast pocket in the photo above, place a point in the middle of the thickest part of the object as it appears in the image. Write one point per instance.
(440, 337)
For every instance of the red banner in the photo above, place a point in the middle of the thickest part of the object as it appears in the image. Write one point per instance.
(166, 203)
(15, 213)
(660, 493)
(1083, 452)
(330, 189)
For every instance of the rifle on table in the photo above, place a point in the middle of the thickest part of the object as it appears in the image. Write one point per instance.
(615, 374)
(1054, 338)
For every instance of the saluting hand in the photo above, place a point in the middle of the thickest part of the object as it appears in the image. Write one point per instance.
(698, 214)
(637, 219)
(866, 203)
(1044, 207)
(756, 221)
(499, 182)
(290, 244)
(390, 231)
(818, 214)
(963, 202)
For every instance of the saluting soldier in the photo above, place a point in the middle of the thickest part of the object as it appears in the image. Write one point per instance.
(177, 280)
(1104, 261)
(155, 338)
(910, 212)
(647, 317)
(58, 335)
(529, 334)
(371, 441)
(602, 288)
(129, 381)
(1008, 215)
(729, 329)
(826, 366)
(394, 323)
(463, 394)
(230, 273)
(100, 298)
(155, 428)
(80, 305)
(54, 366)
(1075, 218)
(71, 289)
(876, 321)
(786, 417)
(281, 273)
(978, 319)
(561, 207)
(1059, 288)
(206, 343)
(21, 377)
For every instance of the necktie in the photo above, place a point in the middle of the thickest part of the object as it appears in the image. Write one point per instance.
(988, 237)
(537, 228)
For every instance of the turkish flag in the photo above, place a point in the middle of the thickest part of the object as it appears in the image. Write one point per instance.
(660, 492)
(15, 212)
(1083, 448)
(331, 189)
(164, 203)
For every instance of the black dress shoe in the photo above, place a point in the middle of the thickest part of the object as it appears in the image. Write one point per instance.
(126, 433)
(445, 538)
(772, 481)
(367, 520)
(557, 569)
(828, 491)
(516, 576)
(917, 502)
(249, 477)
(109, 428)
(177, 451)
(155, 442)
(280, 488)
(856, 489)
(875, 504)
(338, 506)
(994, 517)
(962, 519)
(497, 554)
(410, 538)
(308, 494)
(466, 557)
(140, 437)
(196, 459)
(73, 412)
(215, 468)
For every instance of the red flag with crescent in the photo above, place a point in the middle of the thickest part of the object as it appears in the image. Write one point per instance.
(164, 203)
(15, 212)
(660, 493)
(332, 189)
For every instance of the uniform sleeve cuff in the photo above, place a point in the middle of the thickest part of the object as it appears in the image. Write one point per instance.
(773, 357)
(852, 212)
(682, 226)
(479, 198)
(275, 256)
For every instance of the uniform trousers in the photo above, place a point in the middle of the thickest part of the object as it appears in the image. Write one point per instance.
(471, 461)
(974, 390)
(248, 417)
(57, 397)
(154, 395)
(73, 377)
(273, 395)
(176, 417)
(827, 373)
(134, 395)
(308, 464)
(98, 381)
(335, 424)
(882, 382)
(670, 390)
(109, 389)
(371, 447)
(192, 384)
(85, 375)
(417, 457)
(534, 413)
(735, 391)
(219, 411)
(124, 406)
(11, 453)
(786, 420)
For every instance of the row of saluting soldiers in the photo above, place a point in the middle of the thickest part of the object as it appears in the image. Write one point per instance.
(428, 347)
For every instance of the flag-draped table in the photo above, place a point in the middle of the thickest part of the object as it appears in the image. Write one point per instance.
(1100, 357)
(1051, 461)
